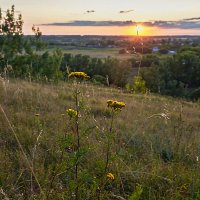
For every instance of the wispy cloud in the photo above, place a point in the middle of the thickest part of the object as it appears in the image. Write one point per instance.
(89, 11)
(191, 19)
(191, 23)
(92, 23)
(177, 24)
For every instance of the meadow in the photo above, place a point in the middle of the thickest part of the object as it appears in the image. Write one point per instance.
(152, 143)
(95, 52)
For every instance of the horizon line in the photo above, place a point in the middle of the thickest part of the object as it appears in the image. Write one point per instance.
(177, 35)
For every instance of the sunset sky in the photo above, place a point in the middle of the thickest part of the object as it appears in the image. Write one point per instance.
(103, 17)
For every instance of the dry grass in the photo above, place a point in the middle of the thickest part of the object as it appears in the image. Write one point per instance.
(157, 139)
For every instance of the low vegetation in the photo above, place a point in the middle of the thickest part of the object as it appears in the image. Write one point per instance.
(153, 142)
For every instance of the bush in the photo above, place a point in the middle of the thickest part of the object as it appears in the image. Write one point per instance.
(98, 79)
(195, 94)
(139, 85)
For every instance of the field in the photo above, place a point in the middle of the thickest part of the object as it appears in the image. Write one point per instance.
(96, 52)
(154, 144)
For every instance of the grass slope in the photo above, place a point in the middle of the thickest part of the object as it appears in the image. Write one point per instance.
(155, 143)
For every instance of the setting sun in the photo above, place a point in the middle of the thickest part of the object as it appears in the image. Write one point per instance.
(138, 29)
(141, 30)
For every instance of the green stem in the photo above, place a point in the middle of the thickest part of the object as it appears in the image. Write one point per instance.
(108, 144)
(78, 144)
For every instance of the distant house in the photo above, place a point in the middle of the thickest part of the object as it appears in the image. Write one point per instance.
(155, 49)
(171, 52)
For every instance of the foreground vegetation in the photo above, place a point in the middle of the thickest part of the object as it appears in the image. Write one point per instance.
(153, 145)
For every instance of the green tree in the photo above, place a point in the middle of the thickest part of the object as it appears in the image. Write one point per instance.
(177, 75)
(11, 36)
(15, 48)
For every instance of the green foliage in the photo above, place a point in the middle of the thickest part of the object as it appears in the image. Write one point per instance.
(11, 36)
(17, 50)
(139, 85)
(36, 42)
(136, 195)
(198, 101)
(148, 60)
(195, 94)
(116, 71)
(129, 87)
(176, 75)
(38, 66)
(98, 79)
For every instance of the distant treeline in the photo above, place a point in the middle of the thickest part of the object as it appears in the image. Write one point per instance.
(177, 75)
(105, 71)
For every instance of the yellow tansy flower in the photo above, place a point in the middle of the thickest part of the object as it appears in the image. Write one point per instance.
(78, 75)
(110, 176)
(71, 113)
(116, 105)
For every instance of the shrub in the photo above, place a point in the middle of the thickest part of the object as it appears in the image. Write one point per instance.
(139, 85)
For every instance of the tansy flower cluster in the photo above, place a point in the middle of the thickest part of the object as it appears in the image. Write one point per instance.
(116, 105)
(71, 113)
(78, 75)
(110, 176)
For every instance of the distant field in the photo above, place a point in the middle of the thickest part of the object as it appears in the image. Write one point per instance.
(98, 52)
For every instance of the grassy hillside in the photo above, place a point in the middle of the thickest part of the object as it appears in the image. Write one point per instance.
(154, 143)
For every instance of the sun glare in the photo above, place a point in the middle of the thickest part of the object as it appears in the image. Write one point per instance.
(139, 29)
